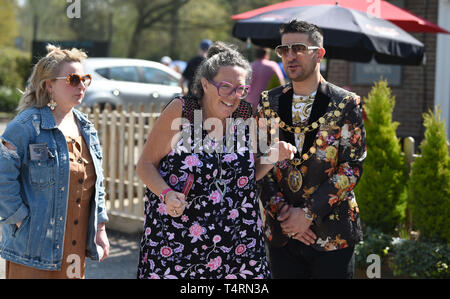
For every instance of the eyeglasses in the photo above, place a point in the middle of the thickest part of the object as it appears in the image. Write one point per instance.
(283, 50)
(225, 89)
(74, 79)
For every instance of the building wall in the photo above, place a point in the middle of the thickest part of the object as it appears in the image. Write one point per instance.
(442, 86)
(415, 94)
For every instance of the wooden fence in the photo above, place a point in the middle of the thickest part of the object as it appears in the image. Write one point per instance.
(122, 136)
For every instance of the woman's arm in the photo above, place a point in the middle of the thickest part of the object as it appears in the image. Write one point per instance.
(159, 143)
(278, 152)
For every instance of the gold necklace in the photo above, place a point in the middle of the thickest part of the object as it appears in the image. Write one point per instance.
(269, 113)
(295, 177)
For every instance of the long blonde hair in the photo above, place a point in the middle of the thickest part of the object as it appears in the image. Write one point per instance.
(47, 68)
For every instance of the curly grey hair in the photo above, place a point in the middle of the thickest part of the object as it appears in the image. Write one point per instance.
(219, 54)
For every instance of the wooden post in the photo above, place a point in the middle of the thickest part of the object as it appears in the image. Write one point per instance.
(408, 149)
(120, 158)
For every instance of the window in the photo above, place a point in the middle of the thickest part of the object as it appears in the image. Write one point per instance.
(120, 73)
(156, 76)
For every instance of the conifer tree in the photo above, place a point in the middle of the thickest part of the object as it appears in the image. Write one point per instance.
(429, 185)
(381, 192)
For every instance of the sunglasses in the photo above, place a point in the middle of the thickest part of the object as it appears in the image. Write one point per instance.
(74, 79)
(298, 48)
(225, 89)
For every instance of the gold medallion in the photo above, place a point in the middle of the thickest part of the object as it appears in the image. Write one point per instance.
(295, 179)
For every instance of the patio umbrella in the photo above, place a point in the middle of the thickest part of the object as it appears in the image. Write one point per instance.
(348, 34)
(380, 8)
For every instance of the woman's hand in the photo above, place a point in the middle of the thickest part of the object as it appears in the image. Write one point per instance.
(281, 151)
(175, 203)
(102, 240)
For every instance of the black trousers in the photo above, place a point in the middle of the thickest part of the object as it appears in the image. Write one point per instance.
(299, 261)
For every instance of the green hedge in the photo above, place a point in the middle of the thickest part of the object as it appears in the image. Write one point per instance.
(419, 259)
(9, 99)
(15, 68)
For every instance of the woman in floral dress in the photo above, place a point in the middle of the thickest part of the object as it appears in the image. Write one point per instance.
(202, 216)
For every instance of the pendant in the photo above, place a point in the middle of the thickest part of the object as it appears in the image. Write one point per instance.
(295, 179)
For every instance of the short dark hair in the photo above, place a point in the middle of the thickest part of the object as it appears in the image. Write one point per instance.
(261, 52)
(315, 34)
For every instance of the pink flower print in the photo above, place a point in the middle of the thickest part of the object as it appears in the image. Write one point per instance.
(184, 218)
(162, 209)
(178, 268)
(216, 239)
(240, 249)
(148, 230)
(173, 180)
(229, 157)
(196, 231)
(204, 247)
(154, 276)
(214, 263)
(191, 161)
(252, 263)
(242, 181)
(231, 276)
(233, 214)
(166, 251)
(215, 196)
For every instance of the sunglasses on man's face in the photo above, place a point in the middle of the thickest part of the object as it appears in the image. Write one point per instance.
(298, 48)
(74, 80)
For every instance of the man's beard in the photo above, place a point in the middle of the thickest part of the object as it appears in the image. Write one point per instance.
(303, 75)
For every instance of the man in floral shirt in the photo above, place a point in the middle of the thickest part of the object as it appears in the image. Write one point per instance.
(311, 215)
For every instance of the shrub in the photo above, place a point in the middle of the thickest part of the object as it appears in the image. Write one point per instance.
(9, 99)
(429, 185)
(15, 68)
(381, 192)
(375, 242)
(419, 259)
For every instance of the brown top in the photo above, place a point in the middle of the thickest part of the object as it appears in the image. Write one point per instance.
(81, 188)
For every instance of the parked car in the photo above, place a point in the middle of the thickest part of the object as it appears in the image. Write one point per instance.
(123, 81)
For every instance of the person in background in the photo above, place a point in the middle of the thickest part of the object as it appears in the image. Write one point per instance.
(52, 204)
(202, 215)
(166, 60)
(188, 74)
(266, 74)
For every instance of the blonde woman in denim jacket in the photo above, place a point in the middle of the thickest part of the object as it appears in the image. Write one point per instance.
(51, 181)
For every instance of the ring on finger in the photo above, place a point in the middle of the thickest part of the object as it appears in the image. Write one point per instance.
(175, 212)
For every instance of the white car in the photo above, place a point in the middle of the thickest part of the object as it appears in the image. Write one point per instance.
(123, 81)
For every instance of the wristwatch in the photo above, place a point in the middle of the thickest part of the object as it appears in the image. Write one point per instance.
(307, 215)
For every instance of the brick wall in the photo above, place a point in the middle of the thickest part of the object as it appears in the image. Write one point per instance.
(415, 95)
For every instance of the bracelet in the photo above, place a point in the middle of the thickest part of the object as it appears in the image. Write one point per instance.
(163, 194)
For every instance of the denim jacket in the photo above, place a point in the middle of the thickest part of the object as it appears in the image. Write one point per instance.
(35, 191)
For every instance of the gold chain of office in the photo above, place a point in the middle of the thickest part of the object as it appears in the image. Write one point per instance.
(269, 113)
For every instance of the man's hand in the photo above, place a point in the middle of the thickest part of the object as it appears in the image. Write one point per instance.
(294, 223)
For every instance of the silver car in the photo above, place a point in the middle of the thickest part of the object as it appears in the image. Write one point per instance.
(123, 81)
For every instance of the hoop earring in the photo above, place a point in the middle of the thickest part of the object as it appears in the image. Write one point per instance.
(52, 104)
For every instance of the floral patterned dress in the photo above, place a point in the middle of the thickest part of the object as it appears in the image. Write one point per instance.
(220, 232)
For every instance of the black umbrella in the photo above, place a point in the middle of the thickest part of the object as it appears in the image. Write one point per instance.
(348, 34)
